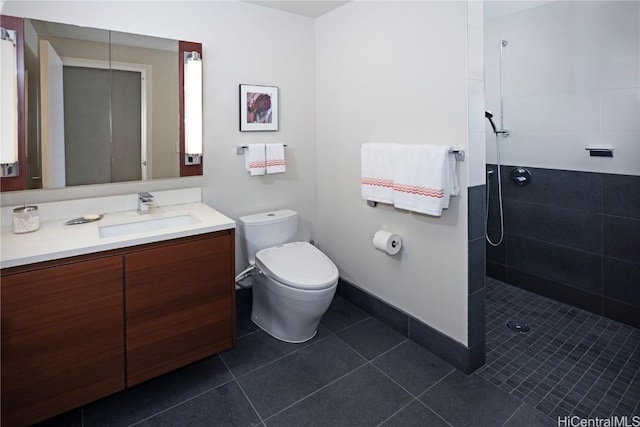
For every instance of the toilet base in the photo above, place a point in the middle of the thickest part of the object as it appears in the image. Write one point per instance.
(288, 314)
(283, 339)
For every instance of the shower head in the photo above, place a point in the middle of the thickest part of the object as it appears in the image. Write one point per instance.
(489, 116)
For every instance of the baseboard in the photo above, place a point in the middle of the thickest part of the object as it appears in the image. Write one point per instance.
(460, 356)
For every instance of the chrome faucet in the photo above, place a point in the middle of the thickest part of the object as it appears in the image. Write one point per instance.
(144, 203)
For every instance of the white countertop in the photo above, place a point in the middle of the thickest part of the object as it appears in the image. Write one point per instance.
(54, 240)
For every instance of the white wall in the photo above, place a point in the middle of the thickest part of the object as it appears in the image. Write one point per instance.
(571, 81)
(393, 72)
(242, 43)
(369, 71)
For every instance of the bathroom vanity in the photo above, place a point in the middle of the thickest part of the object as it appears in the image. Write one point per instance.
(78, 328)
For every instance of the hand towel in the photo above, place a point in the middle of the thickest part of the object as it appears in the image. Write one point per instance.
(255, 159)
(422, 178)
(275, 158)
(376, 168)
(451, 186)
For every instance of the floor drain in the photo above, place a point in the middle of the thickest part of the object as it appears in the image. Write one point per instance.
(518, 326)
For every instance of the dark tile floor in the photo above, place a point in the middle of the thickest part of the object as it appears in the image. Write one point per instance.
(359, 372)
(571, 362)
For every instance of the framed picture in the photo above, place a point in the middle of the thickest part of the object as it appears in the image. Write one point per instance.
(258, 108)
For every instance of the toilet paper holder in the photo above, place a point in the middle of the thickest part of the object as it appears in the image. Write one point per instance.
(388, 242)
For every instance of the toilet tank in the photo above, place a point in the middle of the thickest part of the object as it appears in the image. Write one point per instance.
(267, 229)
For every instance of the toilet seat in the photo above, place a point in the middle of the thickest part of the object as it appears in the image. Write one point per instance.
(299, 265)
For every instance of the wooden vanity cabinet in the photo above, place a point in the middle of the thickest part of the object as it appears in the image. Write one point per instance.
(180, 304)
(78, 329)
(62, 346)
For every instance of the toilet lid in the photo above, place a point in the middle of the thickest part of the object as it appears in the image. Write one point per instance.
(299, 265)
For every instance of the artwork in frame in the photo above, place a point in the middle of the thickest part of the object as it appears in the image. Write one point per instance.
(258, 108)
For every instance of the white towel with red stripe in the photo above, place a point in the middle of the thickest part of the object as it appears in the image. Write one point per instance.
(275, 158)
(421, 178)
(255, 159)
(264, 158)
(416, 177)
(377, 171)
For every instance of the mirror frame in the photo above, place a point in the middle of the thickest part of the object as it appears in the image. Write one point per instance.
(20, 182)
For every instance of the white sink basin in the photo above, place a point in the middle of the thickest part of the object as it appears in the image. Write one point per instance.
(145, 224)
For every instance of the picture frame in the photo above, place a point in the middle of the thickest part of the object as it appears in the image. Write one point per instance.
(258, 108)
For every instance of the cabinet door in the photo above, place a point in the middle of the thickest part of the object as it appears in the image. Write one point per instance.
(179, 305)
(62, 338)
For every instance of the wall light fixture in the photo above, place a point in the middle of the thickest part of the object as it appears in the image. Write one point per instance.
(8, 103)
(193, 108)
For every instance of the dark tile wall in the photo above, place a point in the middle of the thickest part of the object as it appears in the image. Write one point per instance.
(476, 265)
(572, 236)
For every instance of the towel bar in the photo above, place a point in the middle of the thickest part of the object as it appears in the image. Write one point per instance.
(459, 154)
(240, 148)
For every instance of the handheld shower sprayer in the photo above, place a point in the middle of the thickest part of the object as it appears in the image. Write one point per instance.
(489, 116)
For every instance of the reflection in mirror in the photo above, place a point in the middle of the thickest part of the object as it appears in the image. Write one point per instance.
(102, 106)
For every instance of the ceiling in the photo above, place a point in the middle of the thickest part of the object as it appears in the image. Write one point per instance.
(311, 8)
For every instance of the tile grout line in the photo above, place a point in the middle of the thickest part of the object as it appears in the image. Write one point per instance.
(384, 373)
(511, 416)
(414, 397)
(369, 316)
(180, 403)
(631, 354)
(589, 357)
(541, 318)
(429, 388)
(546, 316)
(538, 340)
(568, 372)
(396, 413)
(243, 392)
(548, 344)
(283, 356)
(366, 362)
(617, 375)
(580, 312)
(589, 368)
(637, 375)
(317, 391)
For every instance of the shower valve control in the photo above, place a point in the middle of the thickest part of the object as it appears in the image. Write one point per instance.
(520, 176)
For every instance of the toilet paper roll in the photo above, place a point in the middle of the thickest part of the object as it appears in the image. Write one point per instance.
(387, 242)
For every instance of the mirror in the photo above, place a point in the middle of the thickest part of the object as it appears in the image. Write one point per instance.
(100, 106)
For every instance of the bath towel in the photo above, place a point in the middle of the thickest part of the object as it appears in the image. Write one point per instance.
(422, 180)
(255, 159)
(376, 179)
(275, 158)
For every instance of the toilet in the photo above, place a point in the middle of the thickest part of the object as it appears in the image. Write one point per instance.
(295, 282)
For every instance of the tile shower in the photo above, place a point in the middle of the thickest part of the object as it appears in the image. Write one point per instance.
(563, 77)
(571, 236)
